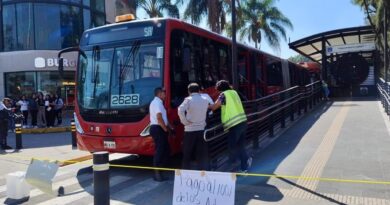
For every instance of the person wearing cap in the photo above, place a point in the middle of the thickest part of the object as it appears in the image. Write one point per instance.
(4, 117)
(193, 113)
(234, 120)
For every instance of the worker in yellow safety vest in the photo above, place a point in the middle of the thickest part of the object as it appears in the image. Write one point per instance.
(234, 120)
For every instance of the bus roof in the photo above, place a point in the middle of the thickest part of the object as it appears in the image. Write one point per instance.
(167, 19)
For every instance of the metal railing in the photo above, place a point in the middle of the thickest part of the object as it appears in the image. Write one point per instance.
(384, 94)
(266, 116)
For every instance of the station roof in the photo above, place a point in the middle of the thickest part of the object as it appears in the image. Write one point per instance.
(311, 46)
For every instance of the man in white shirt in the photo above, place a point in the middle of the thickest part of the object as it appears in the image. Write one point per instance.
(159, 130)
(193, 113)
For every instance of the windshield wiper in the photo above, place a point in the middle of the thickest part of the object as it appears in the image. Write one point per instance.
(123, 68)
(95, 68)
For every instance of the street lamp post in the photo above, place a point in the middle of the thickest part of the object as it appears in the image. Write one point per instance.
(234, 47)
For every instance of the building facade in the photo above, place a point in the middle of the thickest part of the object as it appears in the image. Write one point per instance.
(32, 33)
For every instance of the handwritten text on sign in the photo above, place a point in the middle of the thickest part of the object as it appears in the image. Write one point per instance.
(203, 188)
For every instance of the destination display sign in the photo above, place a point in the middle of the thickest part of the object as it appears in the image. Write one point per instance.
(350, 48)
(130, 31)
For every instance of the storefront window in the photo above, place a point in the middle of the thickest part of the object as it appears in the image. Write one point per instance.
(71, 25)
(9, 29)
(20, 83)
(87, 19)
(25, 26)
(98, 5)
(27, 83)
(48, 26)
(87, 2)
(98, 20)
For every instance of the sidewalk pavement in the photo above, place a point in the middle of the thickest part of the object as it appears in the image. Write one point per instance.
(49, 146)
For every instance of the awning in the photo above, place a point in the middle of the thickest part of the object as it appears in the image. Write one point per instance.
(311, 46)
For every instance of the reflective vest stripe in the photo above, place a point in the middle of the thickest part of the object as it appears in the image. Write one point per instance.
(234, 121)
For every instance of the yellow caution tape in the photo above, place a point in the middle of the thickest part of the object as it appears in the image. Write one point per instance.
(238, 174)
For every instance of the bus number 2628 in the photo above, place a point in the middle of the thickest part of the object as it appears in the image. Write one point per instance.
(121, 100)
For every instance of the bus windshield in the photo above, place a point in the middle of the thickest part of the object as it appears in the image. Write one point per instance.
(120, 77)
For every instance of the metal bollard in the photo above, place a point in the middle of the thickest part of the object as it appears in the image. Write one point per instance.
(18, 135)
(101, 178)
(73, 133)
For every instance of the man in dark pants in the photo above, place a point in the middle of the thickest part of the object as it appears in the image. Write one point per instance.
(233, 119)
(192, 113)
(159, 131)
(4, 117)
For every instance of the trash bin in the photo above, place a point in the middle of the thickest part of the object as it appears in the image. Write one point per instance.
(17, 187)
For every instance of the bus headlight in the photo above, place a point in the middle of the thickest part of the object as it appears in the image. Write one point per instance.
(146, 131)
(77, 123)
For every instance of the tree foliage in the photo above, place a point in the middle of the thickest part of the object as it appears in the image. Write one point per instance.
(299, 58)
(261, 19)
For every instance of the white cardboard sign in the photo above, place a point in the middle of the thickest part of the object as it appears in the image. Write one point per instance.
(203, 188)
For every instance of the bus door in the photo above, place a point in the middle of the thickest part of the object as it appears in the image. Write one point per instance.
(243, 74)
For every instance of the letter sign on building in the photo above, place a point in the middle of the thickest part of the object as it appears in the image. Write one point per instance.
(39, 62)
(52, 62)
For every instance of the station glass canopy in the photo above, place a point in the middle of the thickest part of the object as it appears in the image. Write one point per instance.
(313, 46)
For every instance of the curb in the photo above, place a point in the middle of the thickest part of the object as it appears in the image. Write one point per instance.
(76, 160)
(46, 130)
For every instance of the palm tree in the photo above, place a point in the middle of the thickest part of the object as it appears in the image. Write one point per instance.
(261, 19)
(155, 8)
(374, 10)
(215, 10)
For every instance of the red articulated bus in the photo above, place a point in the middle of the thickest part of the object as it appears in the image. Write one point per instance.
(120, 65)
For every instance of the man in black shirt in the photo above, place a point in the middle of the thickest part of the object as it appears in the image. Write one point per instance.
(4, 117)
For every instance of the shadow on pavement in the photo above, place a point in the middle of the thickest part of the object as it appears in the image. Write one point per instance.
(267, 161)
(135, 176)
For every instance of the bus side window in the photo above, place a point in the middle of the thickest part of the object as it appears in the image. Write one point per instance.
(180, 66)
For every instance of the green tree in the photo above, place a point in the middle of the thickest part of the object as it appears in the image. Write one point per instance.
(374, 10)
(214, 10)
(299, 58)
(155, 8)
(261, 19)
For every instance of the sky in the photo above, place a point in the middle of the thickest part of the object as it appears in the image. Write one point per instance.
(309, 17)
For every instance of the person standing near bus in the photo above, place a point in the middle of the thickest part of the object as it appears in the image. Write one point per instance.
(23, 102)
(4, 118)
(59, 105)
(233, 119)
(159, 128)
(33, 108)
(192, 113)
(325, 87)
